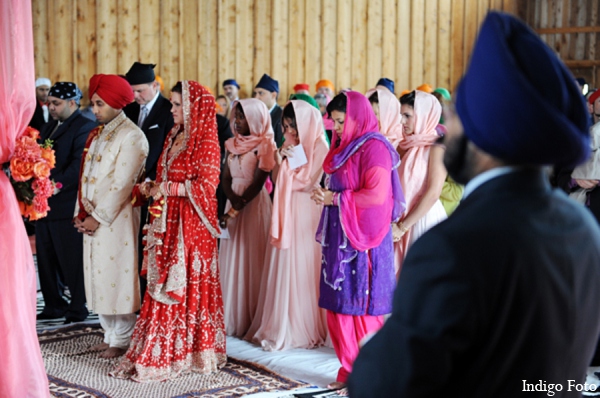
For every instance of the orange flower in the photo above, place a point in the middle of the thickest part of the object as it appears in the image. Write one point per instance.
(33, 133)
(48, 154)
(33, 215)
(25, 209)
(20, 170)
(41, 169)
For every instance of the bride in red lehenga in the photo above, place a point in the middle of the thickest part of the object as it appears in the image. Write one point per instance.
(180, 328)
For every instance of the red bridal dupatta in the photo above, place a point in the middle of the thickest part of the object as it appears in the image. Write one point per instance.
(196, 165)
(261, 133)
(310, 133)
(369, 201)
(23, 373)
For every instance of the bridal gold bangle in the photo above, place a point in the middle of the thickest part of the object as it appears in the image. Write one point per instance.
(402, 227)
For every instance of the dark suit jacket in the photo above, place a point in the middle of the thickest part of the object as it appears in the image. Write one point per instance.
(506, 289)
(224, 131)
(69, 141)
(37, 120)
(276, 114)
(157, 125)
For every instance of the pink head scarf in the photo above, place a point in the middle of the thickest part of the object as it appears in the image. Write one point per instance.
(359, 121)
(390, 119)
(415, 162)
(261, 133)
(310, 133)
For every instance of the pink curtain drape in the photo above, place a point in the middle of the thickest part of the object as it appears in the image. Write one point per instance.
(22, 373)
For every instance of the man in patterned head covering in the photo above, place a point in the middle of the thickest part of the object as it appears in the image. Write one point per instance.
(113, 161)
(59, 247)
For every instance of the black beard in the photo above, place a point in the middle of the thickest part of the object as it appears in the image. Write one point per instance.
(457, 159)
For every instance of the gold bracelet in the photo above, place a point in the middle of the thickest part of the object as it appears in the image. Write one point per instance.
(233, 213)
(402, 228)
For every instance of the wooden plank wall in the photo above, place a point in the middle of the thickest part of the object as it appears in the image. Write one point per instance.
(572, 29)
(350, 42)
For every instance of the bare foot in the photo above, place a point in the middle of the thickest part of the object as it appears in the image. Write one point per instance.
(336, 385)
(99, 347)
(113, 352)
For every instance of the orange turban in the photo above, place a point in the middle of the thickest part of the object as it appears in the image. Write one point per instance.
(113, 89)
(404, 92)
(426, 88)
(161, 82)
(325, 83)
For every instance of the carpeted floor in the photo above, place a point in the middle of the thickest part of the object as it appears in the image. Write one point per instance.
(316, 367)
(74, 371)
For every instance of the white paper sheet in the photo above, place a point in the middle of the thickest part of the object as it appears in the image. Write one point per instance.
(298, 157)
(224, 234)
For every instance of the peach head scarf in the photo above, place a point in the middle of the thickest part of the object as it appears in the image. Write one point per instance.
(310, 132)
(390, 119)
(261, 133)
(415, 162)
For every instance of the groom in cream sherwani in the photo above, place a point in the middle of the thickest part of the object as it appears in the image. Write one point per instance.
(113, 161)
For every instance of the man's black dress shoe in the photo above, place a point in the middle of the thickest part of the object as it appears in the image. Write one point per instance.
(43, 316)
(69, 320)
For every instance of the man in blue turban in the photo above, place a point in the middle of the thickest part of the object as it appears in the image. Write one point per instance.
(501, 299)
(267, 90)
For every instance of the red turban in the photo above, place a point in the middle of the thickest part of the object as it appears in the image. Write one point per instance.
(301, 86)
(594, 96)
(113, 89)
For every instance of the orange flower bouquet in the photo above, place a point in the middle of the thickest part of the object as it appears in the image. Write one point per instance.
(29, 172)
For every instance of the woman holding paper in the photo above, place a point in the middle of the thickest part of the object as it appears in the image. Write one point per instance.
(362, 198)
(250, 158)
(288, 315)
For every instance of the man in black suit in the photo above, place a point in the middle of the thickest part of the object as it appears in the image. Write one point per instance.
(502, 298)
(267, 90)
(152, 113)
(59, 246)
(224, 133)
(41, 115)
(40, 118)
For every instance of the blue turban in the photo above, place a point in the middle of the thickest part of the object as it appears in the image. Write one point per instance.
(231, 82)
(389, 83)
(268, 83)
(518, 102)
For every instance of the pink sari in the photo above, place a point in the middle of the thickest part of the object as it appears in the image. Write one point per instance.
(415, 162)
(23, 373)
(300, 179)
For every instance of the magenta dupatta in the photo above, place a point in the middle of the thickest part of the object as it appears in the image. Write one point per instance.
(371, 196)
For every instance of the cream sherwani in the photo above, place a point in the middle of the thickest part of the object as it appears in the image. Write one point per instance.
(112, 165)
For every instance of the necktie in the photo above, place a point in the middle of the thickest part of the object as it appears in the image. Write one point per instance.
(45, 110)
(143, 114)
(54, 129)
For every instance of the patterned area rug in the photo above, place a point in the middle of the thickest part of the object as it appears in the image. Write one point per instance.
(74, 371)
